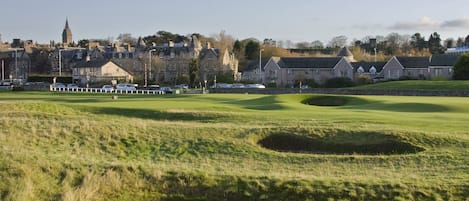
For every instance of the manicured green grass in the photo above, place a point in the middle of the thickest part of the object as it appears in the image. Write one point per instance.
(57, 146)
(419, 84)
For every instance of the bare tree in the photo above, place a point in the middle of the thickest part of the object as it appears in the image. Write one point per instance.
(338, 41)
(317, 44)
(127, 38)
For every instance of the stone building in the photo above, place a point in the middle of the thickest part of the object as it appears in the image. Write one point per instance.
(286, 71)
(171, 62)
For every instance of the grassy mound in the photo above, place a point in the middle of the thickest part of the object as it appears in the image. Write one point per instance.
(358, 143)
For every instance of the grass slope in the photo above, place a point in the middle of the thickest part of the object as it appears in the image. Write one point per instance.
(205, 147)
(419, 84)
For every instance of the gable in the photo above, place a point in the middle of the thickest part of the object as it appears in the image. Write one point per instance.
(393, 63)
(343, 64)
(271, 65)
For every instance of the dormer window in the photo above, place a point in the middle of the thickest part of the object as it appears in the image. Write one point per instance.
(373, 70)
(360, 70)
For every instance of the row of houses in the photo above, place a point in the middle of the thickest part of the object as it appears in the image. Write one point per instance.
(168, 63)
(286, 71)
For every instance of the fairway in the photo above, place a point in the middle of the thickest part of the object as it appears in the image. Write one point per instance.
(66, 146)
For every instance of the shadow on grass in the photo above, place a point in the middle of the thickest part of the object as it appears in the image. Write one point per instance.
(351, 143)
(262, 103)
(347, 102)
(402, 107)
(150, 114)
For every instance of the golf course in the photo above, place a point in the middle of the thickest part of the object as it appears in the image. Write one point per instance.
(83, 146)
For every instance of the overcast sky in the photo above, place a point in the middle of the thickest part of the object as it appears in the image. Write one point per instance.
(295, 20)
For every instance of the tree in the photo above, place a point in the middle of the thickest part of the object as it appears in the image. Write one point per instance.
(434, 44)
(317, 44)
(450, 43)
(223, 41)
(338, 41)
(162, 37)
(392, 45)
(466, 41)
(461, 68)
(418, 42)
(194, 67)
(251, 50)
(303, 45)
(460, 42)
(83, 43)
(127, 38)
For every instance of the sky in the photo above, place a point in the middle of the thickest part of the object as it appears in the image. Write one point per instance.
(281, 20)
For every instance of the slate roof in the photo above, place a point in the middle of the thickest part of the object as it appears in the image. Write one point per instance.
(93, 63)
(308, 62)
(444, 59)
(344, 52)
(414, 62)
(367, 65)
(254, 64)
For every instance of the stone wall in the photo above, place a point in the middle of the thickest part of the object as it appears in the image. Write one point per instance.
(389, 92)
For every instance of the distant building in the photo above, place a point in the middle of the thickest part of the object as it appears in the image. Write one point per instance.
(67, 34)
(286, 71)
(103, 71)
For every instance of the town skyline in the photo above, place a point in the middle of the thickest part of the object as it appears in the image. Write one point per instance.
(299, 21)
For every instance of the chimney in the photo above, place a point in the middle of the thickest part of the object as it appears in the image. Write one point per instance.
(88, 58)
(209, 46)
(171, 43)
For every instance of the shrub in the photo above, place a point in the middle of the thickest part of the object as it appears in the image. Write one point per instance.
(461, 68)
(339, 82)
(363, 79)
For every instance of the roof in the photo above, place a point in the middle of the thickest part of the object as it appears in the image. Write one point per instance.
(254, 64)
(414, 62)
(345, 52)
(92, 63)
(309, 62)
(367, 65)
(129, 65)
(444, 59)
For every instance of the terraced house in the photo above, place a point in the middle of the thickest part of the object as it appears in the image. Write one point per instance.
(286, 71)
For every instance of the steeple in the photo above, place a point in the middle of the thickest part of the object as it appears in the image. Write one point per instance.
(67, 34)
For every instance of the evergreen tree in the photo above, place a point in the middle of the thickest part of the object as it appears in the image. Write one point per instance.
(251, 51)
(434, 44)
(461, 68)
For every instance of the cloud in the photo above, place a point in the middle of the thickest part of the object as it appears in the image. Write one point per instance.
(425, 23)
(457, 23)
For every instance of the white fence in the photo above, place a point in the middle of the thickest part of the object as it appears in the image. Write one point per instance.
(99, 90)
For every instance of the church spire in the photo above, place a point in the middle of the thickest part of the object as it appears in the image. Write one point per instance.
(67, 33)
(66, 23)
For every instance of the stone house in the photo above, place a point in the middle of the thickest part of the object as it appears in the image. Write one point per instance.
(15, 66)
(412, 67)
(172, 61)
(92, 71)
(251, 71)
(285, 71)
(441, 65)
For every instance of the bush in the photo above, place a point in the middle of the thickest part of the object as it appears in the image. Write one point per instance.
(363, 79)
(271, 85)
(461, 68)
(339, 82)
